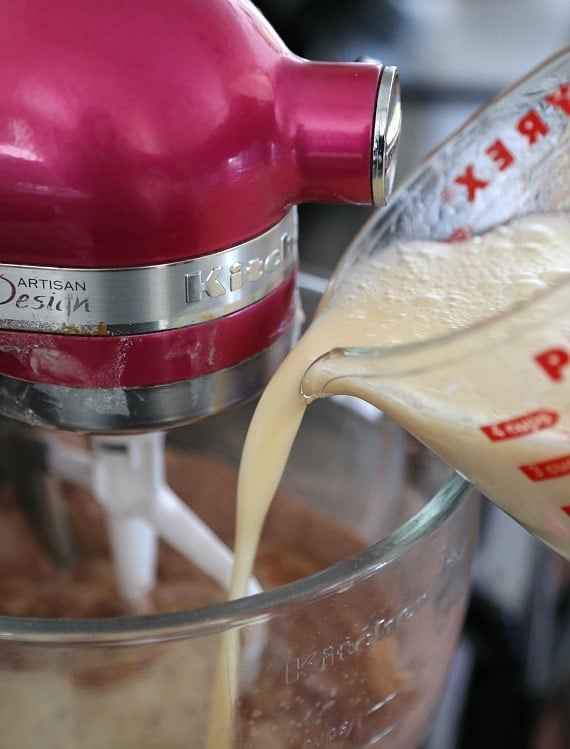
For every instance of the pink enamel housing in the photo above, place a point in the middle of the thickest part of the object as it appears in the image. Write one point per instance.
(135, 133)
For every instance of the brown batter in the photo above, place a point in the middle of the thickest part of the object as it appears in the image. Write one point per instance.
(33, 584)
(84, 695)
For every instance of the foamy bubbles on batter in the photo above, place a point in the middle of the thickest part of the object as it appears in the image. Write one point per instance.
(441, 287)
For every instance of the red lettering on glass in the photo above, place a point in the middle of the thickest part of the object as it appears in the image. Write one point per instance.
(553, 361)
(532, 126)
(471, 182)
(500, 154)
(560, 98)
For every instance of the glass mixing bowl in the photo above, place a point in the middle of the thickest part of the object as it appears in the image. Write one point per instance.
(365, 563)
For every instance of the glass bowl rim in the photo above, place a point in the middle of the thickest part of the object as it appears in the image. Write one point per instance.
(215, 618)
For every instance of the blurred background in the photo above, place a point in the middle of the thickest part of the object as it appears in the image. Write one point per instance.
(509, 687)
(453, 56)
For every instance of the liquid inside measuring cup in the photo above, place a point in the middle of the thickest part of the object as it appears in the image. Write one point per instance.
(500, 415)
(493, 400)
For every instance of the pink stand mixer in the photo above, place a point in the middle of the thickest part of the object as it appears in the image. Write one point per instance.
(151, 156)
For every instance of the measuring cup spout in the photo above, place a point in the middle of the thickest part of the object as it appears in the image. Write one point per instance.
(318, 377)
(328, 373)
(490, 400)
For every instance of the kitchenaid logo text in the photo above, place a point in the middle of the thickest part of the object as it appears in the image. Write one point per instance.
(221, 280)
(148, 298)
(297, 669)
(48, 294)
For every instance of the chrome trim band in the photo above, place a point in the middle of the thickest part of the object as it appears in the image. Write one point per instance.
(136, 409)
(386, 138)
(144, 299)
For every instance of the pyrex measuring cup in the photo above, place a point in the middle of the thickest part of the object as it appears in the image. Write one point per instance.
(494, 399)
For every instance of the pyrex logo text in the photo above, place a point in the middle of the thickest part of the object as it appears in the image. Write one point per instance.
(531, 126)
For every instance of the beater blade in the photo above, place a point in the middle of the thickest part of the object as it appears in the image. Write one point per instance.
(126, 474)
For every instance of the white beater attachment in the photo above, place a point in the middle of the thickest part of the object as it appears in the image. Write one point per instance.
(126, 474)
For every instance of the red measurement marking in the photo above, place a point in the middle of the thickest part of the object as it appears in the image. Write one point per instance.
(553, 361)
(566, 509)
(547, 469)
(520, 426)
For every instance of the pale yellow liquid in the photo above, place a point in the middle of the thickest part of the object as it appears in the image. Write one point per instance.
(412, 292)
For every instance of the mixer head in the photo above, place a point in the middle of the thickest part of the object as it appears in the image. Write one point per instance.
(151, 157)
